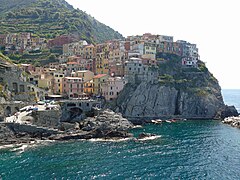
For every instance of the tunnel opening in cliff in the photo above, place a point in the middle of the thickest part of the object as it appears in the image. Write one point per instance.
(8, 111)
(75, 112)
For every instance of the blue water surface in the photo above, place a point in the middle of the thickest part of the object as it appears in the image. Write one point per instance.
(185, 150)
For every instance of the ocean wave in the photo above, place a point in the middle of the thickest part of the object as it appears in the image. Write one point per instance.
(22, 147)
(137, 126)
(109, 140)
(149, 138)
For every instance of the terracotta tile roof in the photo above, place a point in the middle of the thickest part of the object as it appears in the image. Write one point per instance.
(99, 76)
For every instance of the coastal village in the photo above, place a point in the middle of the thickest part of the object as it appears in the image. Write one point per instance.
(76, 84)
(88, 70)
(78, 100)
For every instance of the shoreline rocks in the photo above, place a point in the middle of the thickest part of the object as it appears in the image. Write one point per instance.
(233, 121)
(105, 125)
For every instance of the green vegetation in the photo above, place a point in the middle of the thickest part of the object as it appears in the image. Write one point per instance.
(51, 18)
(4, 58)
(202, 67)
(198, 81)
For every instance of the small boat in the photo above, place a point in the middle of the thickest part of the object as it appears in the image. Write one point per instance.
(168, 121)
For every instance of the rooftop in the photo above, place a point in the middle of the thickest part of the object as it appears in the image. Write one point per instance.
(99, 76)
(73, 78)
(72, 63)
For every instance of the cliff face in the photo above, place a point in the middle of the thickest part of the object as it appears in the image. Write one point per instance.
(185, 93)
(154, 100)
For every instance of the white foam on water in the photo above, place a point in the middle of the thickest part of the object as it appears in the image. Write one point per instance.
(109, 140)
(149, 138)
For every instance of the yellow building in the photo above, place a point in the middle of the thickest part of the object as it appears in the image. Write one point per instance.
(149, 51)
(102, 58)
(97, 81)
(57, 86)
(89, 51)
(88, 87)
(46, 83)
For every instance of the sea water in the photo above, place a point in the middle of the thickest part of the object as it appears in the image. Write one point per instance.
(183, 150)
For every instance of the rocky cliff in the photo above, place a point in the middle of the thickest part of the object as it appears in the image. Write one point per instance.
(191, 93)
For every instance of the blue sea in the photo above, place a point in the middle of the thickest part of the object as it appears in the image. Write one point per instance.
(185, 150)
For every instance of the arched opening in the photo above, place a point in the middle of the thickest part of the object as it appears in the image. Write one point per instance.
(75, 112)
(8, 111)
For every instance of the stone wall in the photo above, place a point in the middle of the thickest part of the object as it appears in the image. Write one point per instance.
(77, 110)
(8, 108)
(46, 118)
(30, 129)
(12, 79)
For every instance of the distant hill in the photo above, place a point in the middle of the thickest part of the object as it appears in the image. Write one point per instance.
(50, 18)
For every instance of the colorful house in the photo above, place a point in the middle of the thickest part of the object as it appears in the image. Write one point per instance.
(97, 81)
(57, 82)
(86, 75)
(112, 87)
(88, 87)
(73, 87)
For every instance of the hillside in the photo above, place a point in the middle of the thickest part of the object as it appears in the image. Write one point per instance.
(50, 18)
(192, 93)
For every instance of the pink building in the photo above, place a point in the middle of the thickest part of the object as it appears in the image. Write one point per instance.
(112, 87)
(73, 87)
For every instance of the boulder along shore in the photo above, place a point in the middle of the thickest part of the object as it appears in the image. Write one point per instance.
(107, 124)
(233, 121)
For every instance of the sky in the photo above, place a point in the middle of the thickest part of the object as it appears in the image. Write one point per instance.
(211, 24)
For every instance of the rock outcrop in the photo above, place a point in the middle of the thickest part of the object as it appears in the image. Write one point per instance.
(106, 125)
(184, 93)
(233, 121)
(155, 100)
